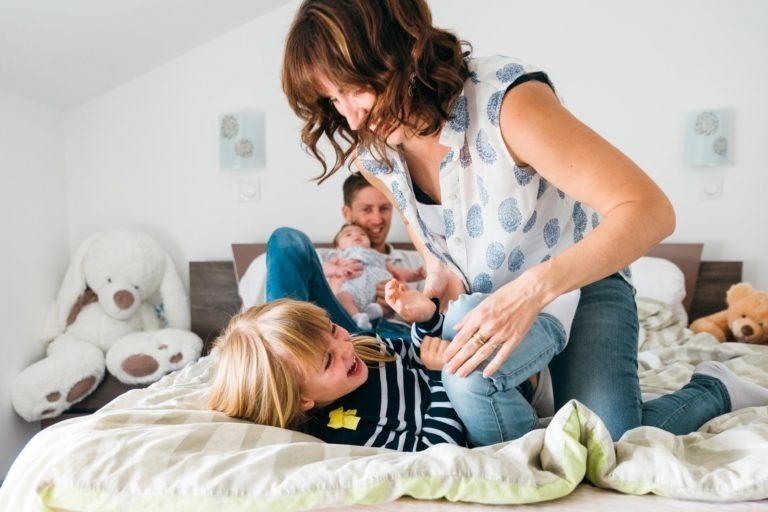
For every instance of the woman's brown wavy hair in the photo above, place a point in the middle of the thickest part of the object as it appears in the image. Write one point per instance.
(373, 45)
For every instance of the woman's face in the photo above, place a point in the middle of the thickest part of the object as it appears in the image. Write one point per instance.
(354, 105)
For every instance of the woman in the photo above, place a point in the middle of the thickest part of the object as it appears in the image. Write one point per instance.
(502, 189)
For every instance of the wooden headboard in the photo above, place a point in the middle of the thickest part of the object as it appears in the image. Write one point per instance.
(214, 298)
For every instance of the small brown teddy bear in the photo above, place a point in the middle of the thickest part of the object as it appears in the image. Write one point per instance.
(746, 318)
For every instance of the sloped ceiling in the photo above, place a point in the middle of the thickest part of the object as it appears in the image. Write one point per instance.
(61, 53)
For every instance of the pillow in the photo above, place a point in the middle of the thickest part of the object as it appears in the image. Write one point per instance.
(252, 287)
(662, 280)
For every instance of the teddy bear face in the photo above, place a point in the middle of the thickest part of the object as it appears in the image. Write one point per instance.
(748, 319)
(123, 277)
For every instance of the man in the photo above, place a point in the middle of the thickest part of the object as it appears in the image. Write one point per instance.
(368, 208)
(294, 269)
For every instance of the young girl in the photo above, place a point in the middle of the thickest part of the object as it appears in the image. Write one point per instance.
(358, 295)
(285, 364)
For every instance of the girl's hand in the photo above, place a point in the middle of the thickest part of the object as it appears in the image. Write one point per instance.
(499, 322)
(443, 284)
(411, 305)
(432, 352)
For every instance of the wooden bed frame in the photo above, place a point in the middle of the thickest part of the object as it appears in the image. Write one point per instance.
(214, 297)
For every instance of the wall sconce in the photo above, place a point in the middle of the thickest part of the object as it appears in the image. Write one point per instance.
(708, 138)
(241, 140)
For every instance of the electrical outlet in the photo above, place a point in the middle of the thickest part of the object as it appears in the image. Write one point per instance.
(249, 191)
(711, 188)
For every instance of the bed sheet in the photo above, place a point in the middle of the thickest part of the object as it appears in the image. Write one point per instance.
(160, 449)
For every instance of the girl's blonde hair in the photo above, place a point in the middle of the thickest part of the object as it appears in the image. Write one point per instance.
(265, 354)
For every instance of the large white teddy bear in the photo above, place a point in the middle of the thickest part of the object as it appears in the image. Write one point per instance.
(121, 305)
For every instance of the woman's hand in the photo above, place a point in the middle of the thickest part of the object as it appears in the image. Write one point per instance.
(499, 322)
(443, 284)
(432, 352)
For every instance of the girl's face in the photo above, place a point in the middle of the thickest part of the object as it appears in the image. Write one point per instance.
(353, 236)
(354, 105)
(339, 373)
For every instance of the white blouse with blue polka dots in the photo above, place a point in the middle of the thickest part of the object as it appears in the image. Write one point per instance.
(498, 219)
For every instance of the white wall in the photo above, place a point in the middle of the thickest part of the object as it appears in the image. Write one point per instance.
(34, 231)
(145, 154)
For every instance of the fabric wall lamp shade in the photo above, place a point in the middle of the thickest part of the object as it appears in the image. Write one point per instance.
(708, 138)
(242, 140)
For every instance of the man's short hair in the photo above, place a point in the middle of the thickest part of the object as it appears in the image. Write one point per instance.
(352, 185)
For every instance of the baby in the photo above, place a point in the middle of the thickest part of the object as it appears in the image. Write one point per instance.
(358, 295)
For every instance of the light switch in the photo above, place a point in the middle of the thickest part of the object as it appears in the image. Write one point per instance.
(249, 191)
(711, 187)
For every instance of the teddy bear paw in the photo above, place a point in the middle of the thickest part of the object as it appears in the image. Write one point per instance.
(52, 385)
(60, 402)
(144, 357)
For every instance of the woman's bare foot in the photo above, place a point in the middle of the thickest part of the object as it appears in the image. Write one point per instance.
(410, 304)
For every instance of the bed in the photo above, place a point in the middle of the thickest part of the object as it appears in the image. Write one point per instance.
(160, 449)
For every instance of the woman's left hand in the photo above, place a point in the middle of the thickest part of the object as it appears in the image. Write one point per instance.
(500, 322)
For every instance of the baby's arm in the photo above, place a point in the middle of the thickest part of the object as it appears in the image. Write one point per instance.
(412, 305)
(406, 274)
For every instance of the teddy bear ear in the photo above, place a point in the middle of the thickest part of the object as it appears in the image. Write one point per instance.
(737, 292)
(174, 297)
(71, 288)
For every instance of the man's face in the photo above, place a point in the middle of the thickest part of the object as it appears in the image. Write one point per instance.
(370, 210)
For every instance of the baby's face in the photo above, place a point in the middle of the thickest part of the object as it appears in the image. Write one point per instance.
(353, 236)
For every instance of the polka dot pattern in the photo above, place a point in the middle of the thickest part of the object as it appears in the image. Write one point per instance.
(495, 256)
(506, 217)
(459, 116)
(552, 233)
(510, 72)
(509, 215)
(485, 148)
(516, 259)
(475, 226)
(531, 222)
(399, 196)
(579, 222)
(482, 283)
(465, 158)
(493, 110)
(522, 176)
(448, 223)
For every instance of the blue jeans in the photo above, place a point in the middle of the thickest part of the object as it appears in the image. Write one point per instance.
(294, 271)
(497, 408)
(599, 368)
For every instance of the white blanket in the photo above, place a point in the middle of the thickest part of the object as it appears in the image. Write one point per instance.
(160, 449)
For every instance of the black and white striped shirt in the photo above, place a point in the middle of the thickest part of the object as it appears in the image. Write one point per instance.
(402, 405)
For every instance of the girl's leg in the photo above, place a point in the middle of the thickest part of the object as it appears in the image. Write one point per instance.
(494, 409)
(599, 365)
(294, 271)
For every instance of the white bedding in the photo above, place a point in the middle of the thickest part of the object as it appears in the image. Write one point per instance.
(160, 449)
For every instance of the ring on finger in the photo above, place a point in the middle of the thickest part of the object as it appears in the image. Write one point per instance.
(479, 339)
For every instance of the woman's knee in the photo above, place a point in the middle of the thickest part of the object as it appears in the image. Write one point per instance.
(457, 309)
